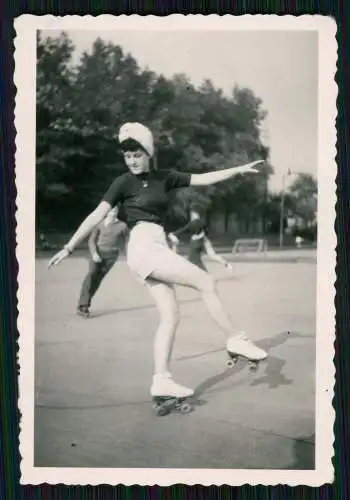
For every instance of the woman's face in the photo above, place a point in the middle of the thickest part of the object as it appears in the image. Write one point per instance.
(137, 161)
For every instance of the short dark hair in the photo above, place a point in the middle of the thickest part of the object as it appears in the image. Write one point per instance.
(131, 145)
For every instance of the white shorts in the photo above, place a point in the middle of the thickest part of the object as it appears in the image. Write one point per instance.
(147, 245)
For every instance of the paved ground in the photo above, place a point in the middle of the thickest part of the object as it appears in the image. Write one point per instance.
(93, 376)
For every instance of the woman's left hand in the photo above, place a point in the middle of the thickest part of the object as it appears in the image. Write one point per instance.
(249, 167)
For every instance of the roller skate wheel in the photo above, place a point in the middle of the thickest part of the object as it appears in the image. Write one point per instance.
(231, 362)
(185, 408)
(161, 411)
(253, 365)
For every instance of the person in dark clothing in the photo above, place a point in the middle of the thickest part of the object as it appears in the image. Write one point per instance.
(199, 241)
(105, 242)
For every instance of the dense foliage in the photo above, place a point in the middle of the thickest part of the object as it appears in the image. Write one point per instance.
(81, 107)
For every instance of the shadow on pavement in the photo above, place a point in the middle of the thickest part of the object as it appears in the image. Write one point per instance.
(273, 375)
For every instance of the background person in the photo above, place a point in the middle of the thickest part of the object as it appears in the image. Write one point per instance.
(199, 241)
(105, 242)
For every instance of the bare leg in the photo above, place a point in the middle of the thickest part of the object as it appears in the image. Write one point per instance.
(182, 272)
(163, 384)
(165, 298)
(178, 271)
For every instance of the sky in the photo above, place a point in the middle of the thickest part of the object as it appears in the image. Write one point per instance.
(280, 67)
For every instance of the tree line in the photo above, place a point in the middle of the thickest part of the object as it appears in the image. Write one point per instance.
(81, 106)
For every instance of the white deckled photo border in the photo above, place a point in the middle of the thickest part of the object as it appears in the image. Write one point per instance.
(26, 27)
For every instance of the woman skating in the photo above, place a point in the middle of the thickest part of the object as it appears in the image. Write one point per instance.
(144, 196)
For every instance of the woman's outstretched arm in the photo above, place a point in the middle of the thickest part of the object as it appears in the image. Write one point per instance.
(209, 178)
(82, 232)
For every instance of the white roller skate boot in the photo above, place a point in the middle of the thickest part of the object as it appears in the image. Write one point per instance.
(241, 346)
(168, 395)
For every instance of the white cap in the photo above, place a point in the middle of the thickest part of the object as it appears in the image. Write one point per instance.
(138, 133)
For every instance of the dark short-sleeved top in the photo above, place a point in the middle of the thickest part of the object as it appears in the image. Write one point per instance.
(145, 197)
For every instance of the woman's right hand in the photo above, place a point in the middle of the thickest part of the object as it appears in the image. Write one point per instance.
(58, 257)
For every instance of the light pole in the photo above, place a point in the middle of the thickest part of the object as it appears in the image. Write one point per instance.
(289, 172)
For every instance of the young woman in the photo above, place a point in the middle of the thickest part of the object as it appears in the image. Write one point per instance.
(143, 195)
(199, 241)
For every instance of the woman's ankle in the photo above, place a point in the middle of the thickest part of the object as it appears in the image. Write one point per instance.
(161, 374)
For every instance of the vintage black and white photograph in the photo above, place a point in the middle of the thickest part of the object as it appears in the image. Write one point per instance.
(176, 249)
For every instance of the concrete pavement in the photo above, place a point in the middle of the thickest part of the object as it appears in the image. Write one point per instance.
(93, 376)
